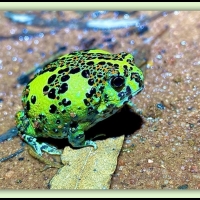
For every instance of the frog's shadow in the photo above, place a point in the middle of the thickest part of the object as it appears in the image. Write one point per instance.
(124, 122)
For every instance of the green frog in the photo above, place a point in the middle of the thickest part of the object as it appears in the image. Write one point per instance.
(73, 93)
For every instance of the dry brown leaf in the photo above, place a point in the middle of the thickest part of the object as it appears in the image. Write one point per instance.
(86, 168)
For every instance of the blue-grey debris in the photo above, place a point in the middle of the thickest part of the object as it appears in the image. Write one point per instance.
(111, 23)
(182, 187)
(12, 132)
(20, 18)
(99, 24)
(160, 106)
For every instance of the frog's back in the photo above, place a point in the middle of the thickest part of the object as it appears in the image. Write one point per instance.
(63, 90)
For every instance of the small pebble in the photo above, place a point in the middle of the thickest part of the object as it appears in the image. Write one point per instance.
(159, 57)
(150, 161)
(9, 174)
(183, 43)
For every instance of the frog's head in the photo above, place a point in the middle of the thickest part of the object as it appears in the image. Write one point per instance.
(126, 79)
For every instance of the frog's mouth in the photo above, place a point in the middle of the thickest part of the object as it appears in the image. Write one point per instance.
(128, 93)
(138, 91)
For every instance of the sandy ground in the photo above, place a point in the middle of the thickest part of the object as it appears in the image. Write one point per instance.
(161, 154)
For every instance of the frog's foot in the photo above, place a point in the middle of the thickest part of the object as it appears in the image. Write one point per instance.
(39, 147)
(85, 143)
(77, 139)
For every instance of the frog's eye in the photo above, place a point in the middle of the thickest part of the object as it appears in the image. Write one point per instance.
(117, 81)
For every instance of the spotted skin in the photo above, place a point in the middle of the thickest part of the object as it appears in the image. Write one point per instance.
(73, 93)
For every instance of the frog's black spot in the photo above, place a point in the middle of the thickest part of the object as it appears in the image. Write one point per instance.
(45, 88)
(52, 109)
(140, 82)
(66, 69)
(28, 105)
(116, 66)
(101, 89)
(73, 53)
(128, 90)
(91, 82)
(63, 111)
(125, 71)
(102, 63)
(63, 88)
(99, 75)
(26, 91)
(63, 58)
(66, 102)
(90, 63)
(72, 64)
(33, 99)
(94, 73)
(120, 59)
(55, 130)
(85, 73)
(134, 75)
(92, 91)
(125, 67)
(137, 78)
(74, 124)
(106, 97)
(75, 70)
(130, 97)
(52, 93)
(42, 117)
(121, 95)
(123, 55)
(130, 61)
(103, 57)
(109, 64)
(52, 68)
(47, 70)
(51, 79)
(58, 121)
(90, 108)
(86, 102)
(65, 78)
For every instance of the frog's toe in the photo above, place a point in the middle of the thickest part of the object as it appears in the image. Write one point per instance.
(91, 143)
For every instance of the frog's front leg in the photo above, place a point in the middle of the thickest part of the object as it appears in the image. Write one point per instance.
(76, 138)
(39, 147)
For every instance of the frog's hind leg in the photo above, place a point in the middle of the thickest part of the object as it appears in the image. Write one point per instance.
(39, 147)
